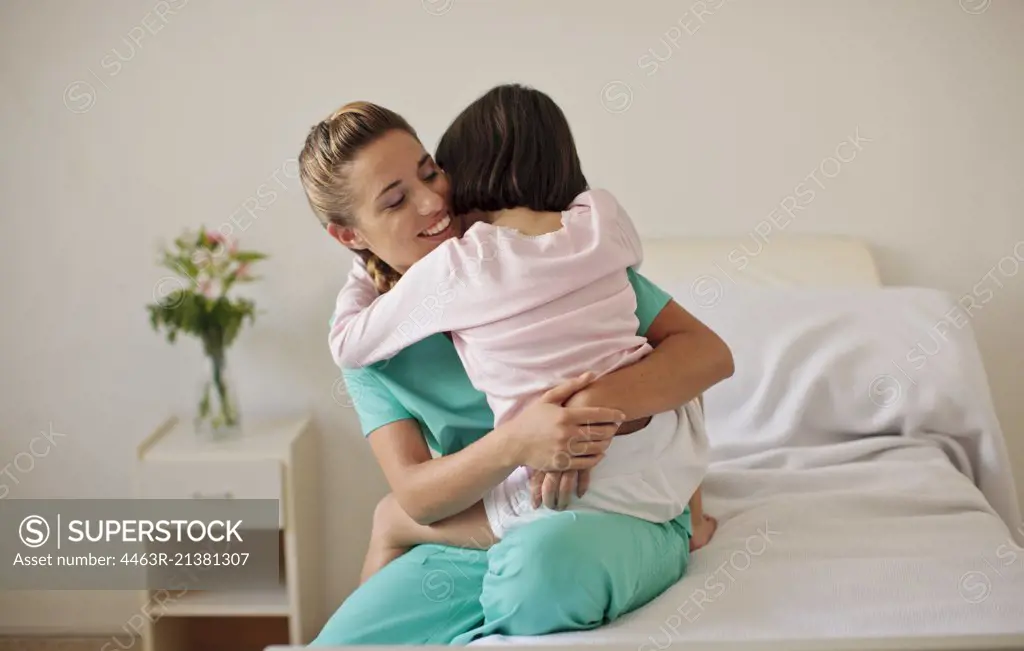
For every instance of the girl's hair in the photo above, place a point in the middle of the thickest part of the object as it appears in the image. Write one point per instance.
(511, 148)
(324, 162)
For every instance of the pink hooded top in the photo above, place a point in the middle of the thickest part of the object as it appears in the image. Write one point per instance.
(525, 312)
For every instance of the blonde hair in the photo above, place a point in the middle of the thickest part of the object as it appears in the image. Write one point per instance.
(330, 148)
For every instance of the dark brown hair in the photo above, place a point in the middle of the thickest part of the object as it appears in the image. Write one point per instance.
(329, 150)
(511, 148)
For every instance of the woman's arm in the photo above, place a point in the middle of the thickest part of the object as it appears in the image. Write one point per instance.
(545, 435)
(687, 360)
(433, 489)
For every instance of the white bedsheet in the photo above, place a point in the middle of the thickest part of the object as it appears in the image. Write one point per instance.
(879, 536)
(829, 529)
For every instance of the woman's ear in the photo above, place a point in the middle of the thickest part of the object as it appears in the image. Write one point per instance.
(347, 236)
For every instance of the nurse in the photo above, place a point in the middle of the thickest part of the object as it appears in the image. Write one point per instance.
(378, 192)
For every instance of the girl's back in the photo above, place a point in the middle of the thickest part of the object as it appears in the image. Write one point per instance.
(577, 311)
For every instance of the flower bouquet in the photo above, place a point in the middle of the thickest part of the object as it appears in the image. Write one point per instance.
(207, 265)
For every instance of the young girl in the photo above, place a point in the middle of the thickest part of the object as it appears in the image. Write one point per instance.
(531, 298)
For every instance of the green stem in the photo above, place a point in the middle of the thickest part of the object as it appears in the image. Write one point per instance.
(226, 409)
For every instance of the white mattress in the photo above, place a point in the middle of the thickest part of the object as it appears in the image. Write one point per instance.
(879, 536)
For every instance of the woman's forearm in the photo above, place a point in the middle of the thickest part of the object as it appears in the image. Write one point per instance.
(687, 360)
(545, 435)
(678, 370)
(439, 488)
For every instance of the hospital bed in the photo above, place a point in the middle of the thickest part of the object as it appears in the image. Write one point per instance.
(859, 474)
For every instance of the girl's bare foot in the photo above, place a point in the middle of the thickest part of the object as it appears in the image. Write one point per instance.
(703, 530)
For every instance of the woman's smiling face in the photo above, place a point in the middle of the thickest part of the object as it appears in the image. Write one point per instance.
(401, 201)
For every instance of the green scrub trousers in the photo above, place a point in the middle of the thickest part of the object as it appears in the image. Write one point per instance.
(567, 572)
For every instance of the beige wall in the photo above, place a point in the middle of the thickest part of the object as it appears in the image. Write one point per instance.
(200, 117)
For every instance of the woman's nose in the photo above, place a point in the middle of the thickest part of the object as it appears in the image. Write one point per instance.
(430, 202)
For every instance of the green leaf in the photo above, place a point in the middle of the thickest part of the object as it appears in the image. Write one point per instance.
(216, 322)
(249, 256)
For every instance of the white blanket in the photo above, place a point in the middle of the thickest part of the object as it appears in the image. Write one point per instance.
(879, 536)
(859, 474)
(820, 367)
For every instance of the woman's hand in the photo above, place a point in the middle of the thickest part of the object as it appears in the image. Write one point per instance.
(555, 490)
(546, 435)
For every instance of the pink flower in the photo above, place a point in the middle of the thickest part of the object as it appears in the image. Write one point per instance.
(242, 272)
(223, 246)
(206, 288)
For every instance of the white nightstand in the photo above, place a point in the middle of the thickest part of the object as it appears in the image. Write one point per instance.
(270, 460)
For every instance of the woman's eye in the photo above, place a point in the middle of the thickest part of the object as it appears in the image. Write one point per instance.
(430, 175)
(396, 204)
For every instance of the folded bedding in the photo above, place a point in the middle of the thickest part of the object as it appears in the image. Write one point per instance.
(824, 366)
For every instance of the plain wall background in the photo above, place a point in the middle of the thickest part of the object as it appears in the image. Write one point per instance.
(120, 128)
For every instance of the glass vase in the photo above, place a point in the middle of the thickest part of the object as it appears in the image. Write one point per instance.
(217, 416)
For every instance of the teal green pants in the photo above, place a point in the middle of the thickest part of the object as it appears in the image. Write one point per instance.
(568, 572)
